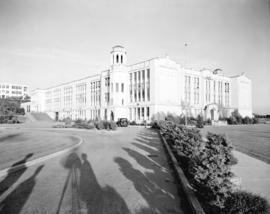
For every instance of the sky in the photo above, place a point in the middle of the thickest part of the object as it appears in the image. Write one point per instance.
(48, 42)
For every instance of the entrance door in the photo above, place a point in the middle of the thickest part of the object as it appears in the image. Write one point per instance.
(212, 112)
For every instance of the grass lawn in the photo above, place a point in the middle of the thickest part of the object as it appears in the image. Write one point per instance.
(253, 140)
(15, 145)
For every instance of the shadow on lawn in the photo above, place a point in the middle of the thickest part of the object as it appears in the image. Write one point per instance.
(15, 201)
(154, 186)
(14, 175)
(86, 192)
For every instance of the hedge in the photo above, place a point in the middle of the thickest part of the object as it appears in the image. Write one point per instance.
(206, 163)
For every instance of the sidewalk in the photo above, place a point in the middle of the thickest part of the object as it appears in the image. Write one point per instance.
(255, 174)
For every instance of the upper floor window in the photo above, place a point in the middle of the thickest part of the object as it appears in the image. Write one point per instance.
(117, 58)
(122, 87)
(117, 87)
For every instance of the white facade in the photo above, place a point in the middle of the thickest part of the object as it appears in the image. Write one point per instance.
(143, 90)
(13, 90)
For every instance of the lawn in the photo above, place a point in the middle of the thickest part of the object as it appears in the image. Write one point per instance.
(253, 140)
(18, 145)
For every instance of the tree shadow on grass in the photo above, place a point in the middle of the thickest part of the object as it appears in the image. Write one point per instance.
(92, 198)
(15, 201)
(14, 174)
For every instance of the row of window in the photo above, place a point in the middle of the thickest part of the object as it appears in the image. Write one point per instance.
(139, 86)
(13, 87)
(139, 113)
(118, 59)
(217, 90)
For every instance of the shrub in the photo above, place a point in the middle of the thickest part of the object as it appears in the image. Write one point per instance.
(67, 120)
(132, 123)
(206, 163)
(255, 120)
(237, 116)
(208, 122)
(154, 125)
(247, 120)
(99, 125)
(112, 125)
(78, 121)
(210, 171)
(199, 123)
(106, 124)
(243, 202)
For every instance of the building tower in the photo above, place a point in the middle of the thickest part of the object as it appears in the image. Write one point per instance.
(118, 83)
(118, 55)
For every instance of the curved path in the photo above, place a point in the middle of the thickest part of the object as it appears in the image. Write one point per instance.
(111, 172)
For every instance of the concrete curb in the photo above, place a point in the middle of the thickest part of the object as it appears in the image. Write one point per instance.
(5, 172)
(192, 200)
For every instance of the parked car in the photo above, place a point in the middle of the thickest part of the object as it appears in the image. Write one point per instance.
(123, 122)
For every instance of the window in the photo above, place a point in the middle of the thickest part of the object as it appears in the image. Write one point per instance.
(214, 91)
(107, 81)
(147, 112)
(148, 85)
(107, 97)
(122, 87)
(130, 87)
(187, 89)
(68, 97)
(122, 101)
(139, 113)
(81, 94)
(117, 58)
(196, 90)
(207, 90)
(117, 87)
(142, 112)
(121, 58)
(227, 94)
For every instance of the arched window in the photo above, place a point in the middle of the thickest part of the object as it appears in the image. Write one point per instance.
(117, 58)
(121, 58)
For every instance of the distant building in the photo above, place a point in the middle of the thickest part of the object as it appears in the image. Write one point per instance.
(142, 90)
(13, 90)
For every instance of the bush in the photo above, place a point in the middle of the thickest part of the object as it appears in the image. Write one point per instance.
(132, 123)
(199, 123)
(208, 122)
(237, 116)
(67, 120)
(99, 125)
(106, 124)
(255, 120)
(210, 171)
(206, 163)
(247, 120)
(154, 125)
(243, 202)
(232, 120)
(112, 125)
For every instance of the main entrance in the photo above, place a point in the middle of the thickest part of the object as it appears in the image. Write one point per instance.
(211, 111)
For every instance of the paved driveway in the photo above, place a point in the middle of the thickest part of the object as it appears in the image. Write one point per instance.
(125, 171)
